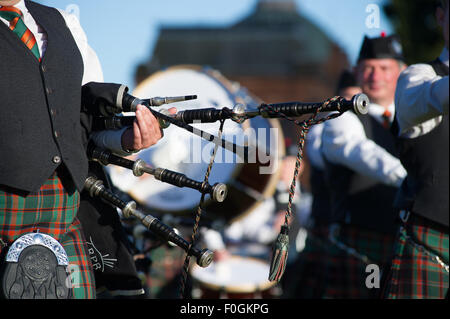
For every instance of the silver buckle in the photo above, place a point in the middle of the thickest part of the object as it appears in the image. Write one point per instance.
(37, 239)
(36, 268)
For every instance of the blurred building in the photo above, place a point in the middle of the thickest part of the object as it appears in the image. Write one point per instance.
(275, 52)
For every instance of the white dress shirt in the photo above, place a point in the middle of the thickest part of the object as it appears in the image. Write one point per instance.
(92, 67)
(421, 98)
(256, 227)
(313, 146)
(344, 142)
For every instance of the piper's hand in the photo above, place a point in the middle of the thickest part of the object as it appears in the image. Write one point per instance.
(145, 131)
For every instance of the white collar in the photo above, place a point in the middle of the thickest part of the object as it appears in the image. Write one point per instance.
(444, 56)
(377, 110)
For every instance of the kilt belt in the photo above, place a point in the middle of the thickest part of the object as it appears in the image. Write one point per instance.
(419, 268)
(50, 211)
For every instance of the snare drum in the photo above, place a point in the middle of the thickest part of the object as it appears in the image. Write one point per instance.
(234, 278)
(181, 151)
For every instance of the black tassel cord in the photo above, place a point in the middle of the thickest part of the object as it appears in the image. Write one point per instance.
(197, 219)
(281, 246)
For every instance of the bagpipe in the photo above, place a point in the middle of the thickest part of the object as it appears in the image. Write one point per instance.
(239, 113)
(95, 188)
(238, 190)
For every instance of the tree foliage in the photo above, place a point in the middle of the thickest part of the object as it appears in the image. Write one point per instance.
(415, 23)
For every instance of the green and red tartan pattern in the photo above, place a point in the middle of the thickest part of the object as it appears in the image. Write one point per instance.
(308, 275)
(53, 212)
(347, 274)
(80, 267)
(415, 274)
(165, 271)
(328, 272)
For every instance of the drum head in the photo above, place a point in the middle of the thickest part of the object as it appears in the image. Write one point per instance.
(234, 275)
(184, 152)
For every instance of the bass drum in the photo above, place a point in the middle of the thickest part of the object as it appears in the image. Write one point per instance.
(181, 151)
(234, 278)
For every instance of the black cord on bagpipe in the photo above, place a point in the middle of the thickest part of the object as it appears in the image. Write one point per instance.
(281, 245)
(198, 217)
(337, 105)
(280, 249)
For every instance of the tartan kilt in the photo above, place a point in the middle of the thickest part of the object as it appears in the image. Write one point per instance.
(325, 271)
(163, 281)
(414, 274)
(306, 277)
(52, 211)
(346, 274)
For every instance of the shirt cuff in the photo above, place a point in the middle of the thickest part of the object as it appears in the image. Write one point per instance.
(111, 140)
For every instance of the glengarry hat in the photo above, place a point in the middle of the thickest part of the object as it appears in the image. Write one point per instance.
(381, 48)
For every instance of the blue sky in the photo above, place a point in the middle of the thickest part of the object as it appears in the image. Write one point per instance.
(124, 33)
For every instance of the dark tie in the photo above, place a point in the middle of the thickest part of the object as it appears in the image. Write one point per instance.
(16, 24)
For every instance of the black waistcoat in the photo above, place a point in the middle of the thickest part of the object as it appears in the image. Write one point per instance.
(40, 125)
(425, 190)
(320, 206)
(357, 199)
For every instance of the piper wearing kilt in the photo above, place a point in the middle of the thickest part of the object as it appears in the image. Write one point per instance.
(45, 59)
(43, 159)
(420, 267)
(363, 174)
(311, 270)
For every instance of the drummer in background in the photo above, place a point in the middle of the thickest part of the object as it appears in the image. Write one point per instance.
(364, 173)
(253, 234)
(306, 276)
(420, 265)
